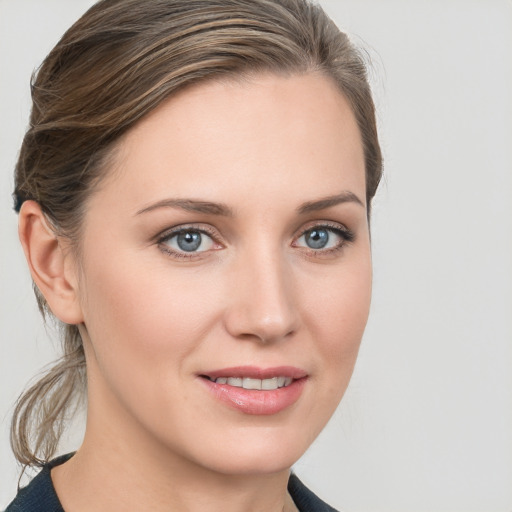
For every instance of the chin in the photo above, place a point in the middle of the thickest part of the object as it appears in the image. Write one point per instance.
(256, 453)
(254, 463)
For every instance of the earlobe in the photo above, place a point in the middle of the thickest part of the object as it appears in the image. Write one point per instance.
(49, 264)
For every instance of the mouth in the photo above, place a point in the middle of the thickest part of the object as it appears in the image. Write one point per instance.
(257, 391)
(251, 383)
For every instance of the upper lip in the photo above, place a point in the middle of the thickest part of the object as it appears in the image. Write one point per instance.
(255, 372)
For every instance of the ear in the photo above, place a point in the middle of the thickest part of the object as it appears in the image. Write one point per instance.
(50, 264)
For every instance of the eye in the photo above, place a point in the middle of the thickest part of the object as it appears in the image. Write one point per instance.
(324, 238)
(187, 241)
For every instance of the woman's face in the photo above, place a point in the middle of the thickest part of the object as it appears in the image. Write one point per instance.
(227, 250)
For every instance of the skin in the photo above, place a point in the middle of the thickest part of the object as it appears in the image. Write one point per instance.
(153, 321)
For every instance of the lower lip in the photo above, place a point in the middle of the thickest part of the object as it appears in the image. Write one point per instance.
(257, 402)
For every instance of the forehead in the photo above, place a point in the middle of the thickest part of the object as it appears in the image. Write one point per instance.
(225, 140)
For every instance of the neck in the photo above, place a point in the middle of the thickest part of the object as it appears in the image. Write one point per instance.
(112, 482)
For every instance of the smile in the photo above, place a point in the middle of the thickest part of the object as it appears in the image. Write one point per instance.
(251, 383)
(256, 391)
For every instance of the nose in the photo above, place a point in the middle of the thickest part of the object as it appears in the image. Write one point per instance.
(262, 304)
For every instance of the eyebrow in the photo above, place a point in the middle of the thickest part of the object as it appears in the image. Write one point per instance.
(210, 208)
(327, 202)
(190, 205)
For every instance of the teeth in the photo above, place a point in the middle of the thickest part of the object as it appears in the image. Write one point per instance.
(261, 384)
(268, 384)
(249, 383)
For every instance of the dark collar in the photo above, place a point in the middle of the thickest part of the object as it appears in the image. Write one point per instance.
(39, 495)
(304, 499)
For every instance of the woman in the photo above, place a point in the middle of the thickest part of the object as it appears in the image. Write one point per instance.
(194, 194)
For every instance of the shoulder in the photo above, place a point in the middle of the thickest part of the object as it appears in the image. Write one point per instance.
(306, 500)
(39, 495)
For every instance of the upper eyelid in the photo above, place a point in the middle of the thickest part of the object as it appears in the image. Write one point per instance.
(201, 228)
(322, 224)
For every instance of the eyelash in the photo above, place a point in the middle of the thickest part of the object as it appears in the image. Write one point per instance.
(346, 236)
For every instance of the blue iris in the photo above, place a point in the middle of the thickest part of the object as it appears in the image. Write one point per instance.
(189, 241)
(317, 238)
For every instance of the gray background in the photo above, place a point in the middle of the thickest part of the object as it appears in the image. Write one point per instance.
(426, 424)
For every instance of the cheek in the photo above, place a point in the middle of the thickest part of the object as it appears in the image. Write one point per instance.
(142, 309)
(142, 326)
(147, 322)
(337, 313)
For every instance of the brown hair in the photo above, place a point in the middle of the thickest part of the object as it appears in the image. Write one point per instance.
(118, 62)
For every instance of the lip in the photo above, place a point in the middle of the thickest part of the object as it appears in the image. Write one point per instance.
(254, 372)
(256, 402)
